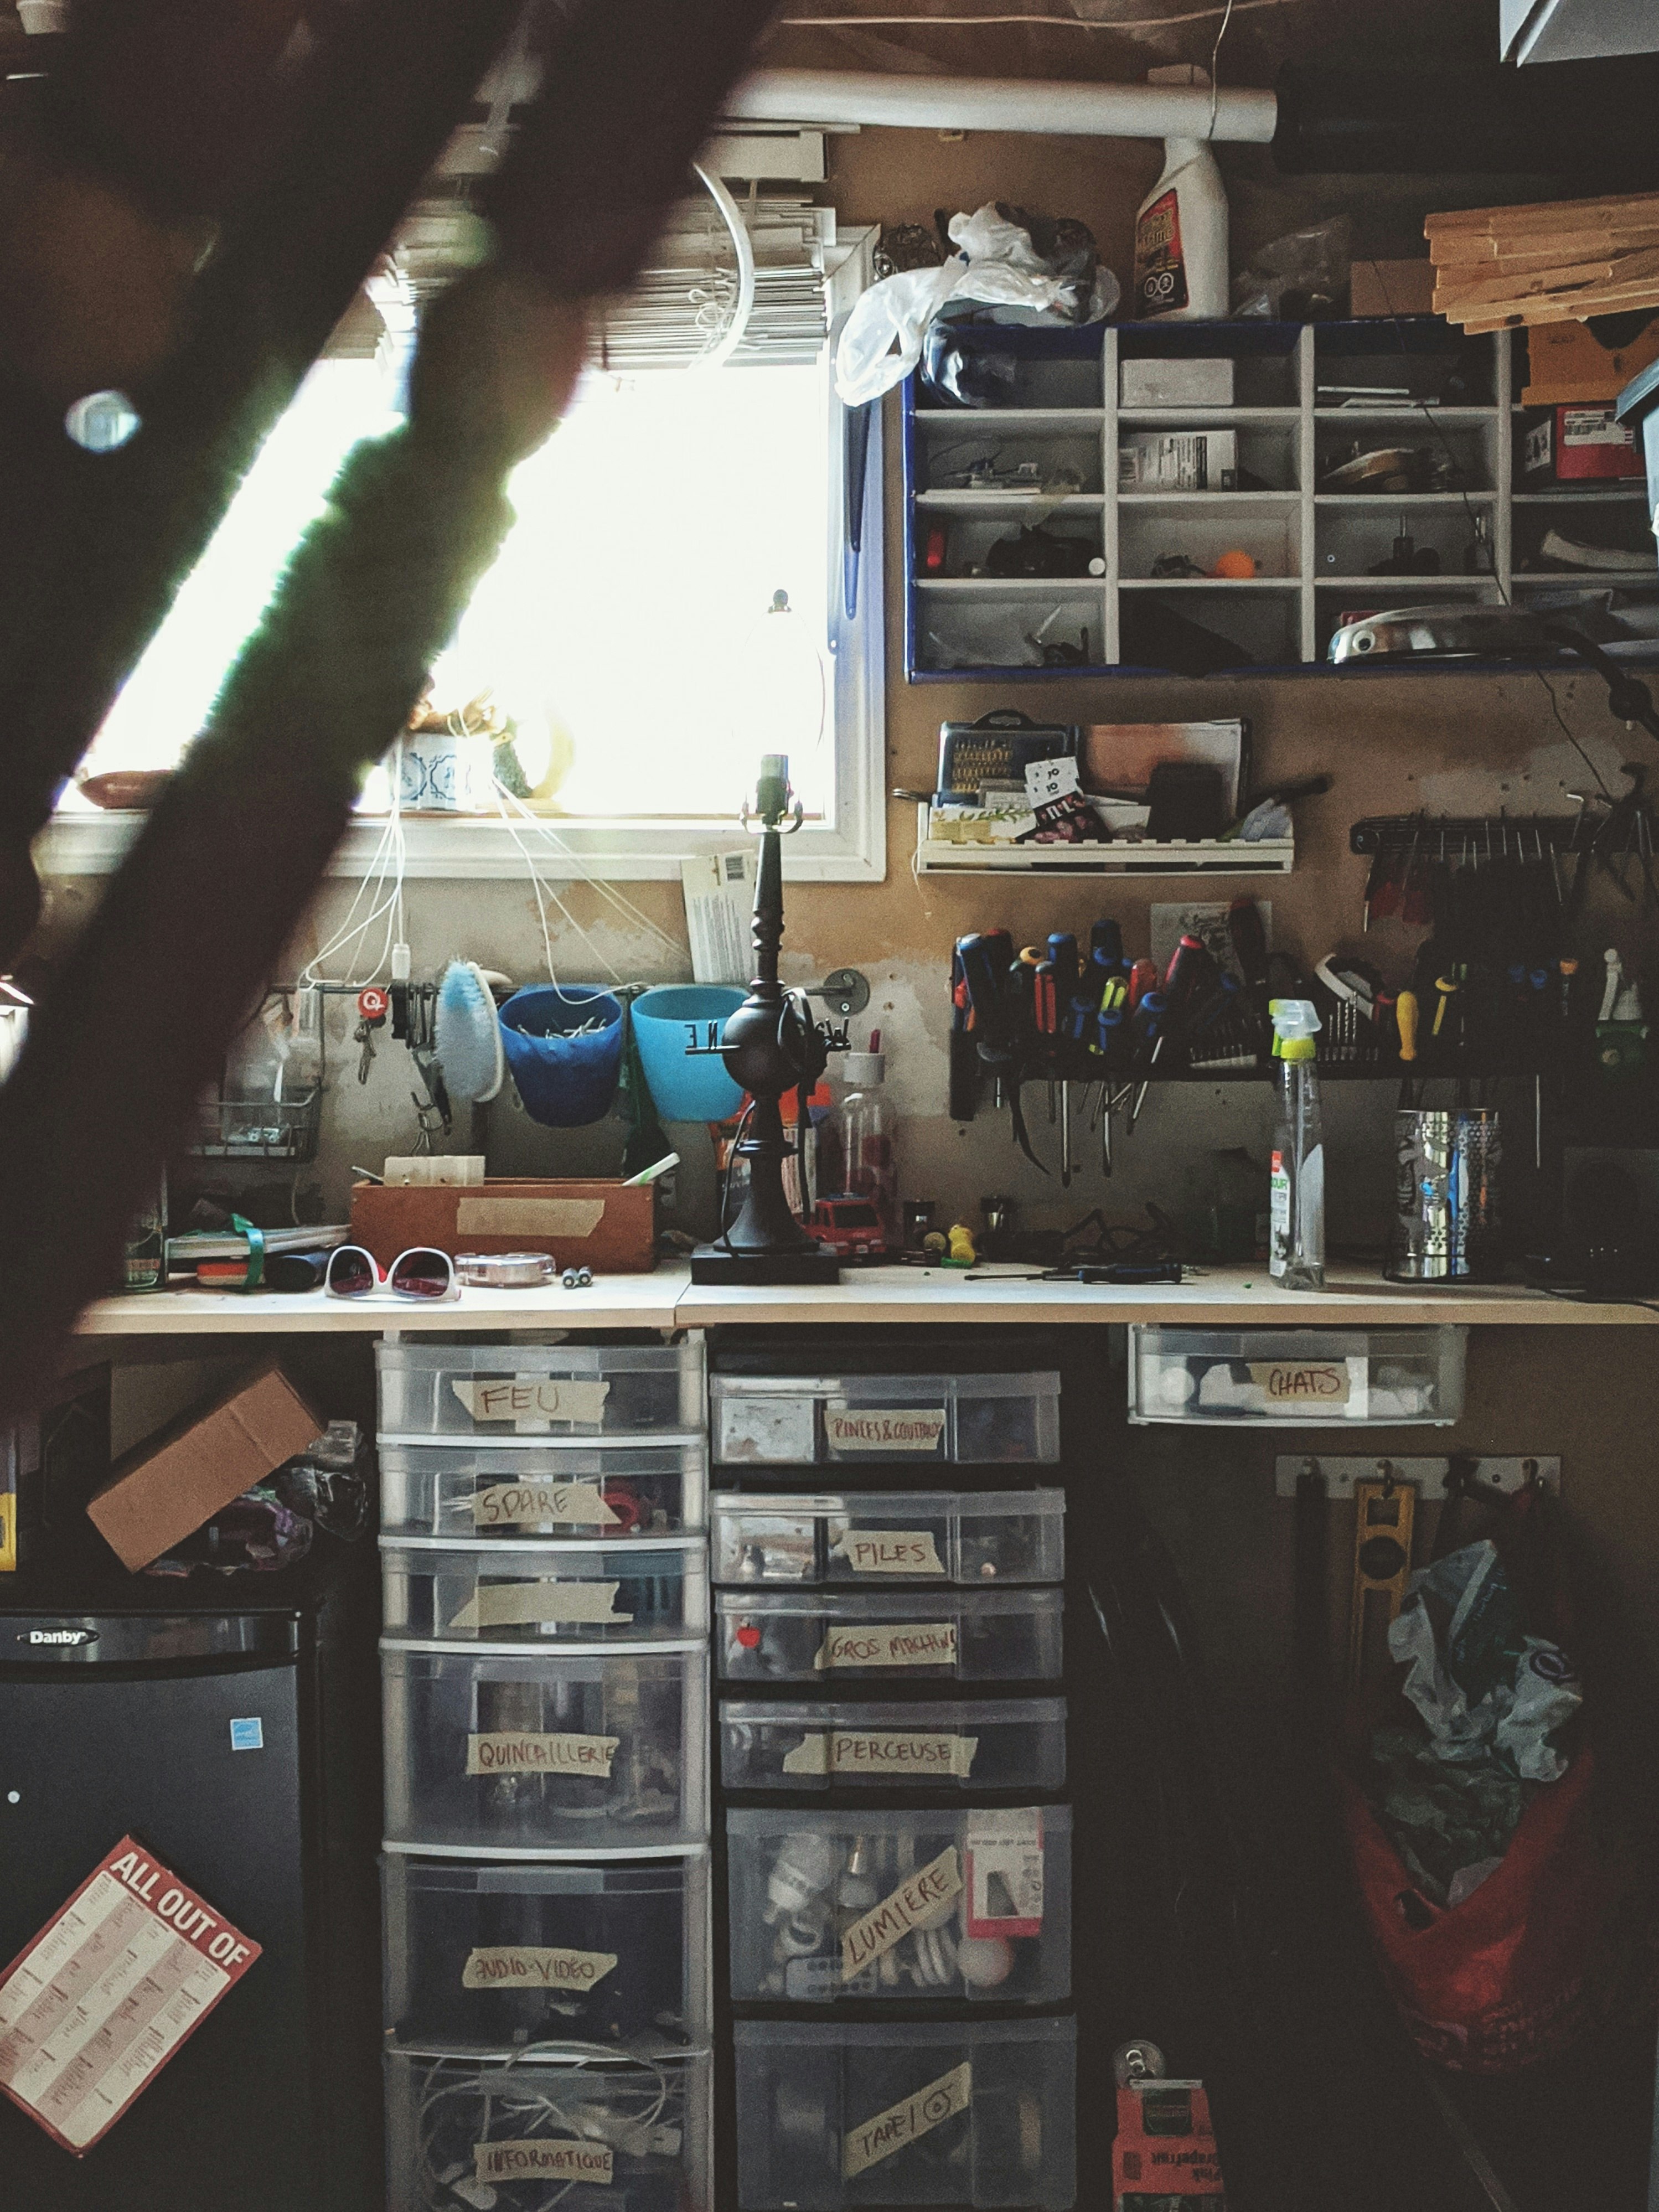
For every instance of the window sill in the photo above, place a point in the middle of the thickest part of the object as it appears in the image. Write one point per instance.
(465, 847)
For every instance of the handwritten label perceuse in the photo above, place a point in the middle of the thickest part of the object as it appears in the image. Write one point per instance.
(907, 2122)
(534, 1966)
(516, 1504)
(1306, 1382)
(921, 1901)
(552, 2161)
(890, 1551)
(912, 1643)
(882, 1429)
(518, 1751)
(883, 1752)
(532, 1400)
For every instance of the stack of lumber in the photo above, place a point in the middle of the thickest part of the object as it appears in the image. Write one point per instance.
(1499, 268)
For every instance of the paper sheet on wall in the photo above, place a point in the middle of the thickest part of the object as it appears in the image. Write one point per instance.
(719, 906)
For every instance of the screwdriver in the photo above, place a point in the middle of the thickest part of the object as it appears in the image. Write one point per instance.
(1149, 1036)
(1062, 959)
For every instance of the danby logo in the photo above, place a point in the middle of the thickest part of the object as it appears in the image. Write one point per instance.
(71, 1639)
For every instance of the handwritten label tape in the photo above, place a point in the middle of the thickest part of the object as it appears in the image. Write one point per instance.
(534, 1966)
(540, 1604)
(922, 1899)
(550, 2161)
(520, 1751)
(883, 1428)
(909, 1644)
(1303, 1382)
(531, 1400)
(518, 1505)
(907, 2122)
(883, 1752)
(890, 1551)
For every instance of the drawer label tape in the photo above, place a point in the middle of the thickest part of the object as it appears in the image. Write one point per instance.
(910, 1643)
(922, 1899)
(540, 1604)
(883, 1428)
(1302, 1382)
(534, 1966)
(907, 2122)
(890, 1551)
(520, 1751)
(515, 1505)
(594, 2163)
(883, 1752)
(531, 1401)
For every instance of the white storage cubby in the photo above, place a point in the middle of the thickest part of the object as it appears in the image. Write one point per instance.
(1002, 1743)
(520, 2132)
(482, 1957)
(615, 1490)
(655, 1587)
(880, 1538)
(873, 1908)
(519, 1751)
(516, 1392)
(1008, 1635)
(978, 2115)
(1284, 1378)
(873, 1420)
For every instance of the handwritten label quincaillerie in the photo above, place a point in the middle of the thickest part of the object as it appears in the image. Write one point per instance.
(883, 1428)
(922, 1899)
(890, 1551)
(534, 1966)
(538, 1605)
(518, 1751)
(910, 1643)
(907, 2122)
(1303, 1382)
(882, 1752)
(519, 1505)
(545, 2161)
(531, 1401)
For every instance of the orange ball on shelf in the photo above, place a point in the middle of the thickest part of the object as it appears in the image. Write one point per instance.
(1235, 564)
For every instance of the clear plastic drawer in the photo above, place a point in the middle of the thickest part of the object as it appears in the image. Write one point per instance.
(518, 2133)
(507, 1392)
(895, 1908)
(1002, 1743)
(483, 1956)
(519, 1753)
(978, 2114)
(880, 1538)
(1284, 1378)
(595, 1488)
(1008, 1635)
(796, 1420)
(656, 1586)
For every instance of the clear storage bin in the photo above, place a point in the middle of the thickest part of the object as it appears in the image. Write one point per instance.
(657, 1586)
(601, 1487)
(895, 1908)
(517, 2134)
(884, 1537)
(890, 1636)
(1002, 1743)
(978, 2114)
(513, 1751)
(483, 1956)
(1286, 1377)
(793, 1420)
(506, 1392)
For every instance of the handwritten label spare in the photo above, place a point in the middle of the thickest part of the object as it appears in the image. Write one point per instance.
(909, 1644)
(1003, 1855)
(1302, 1382)
(531, 1401)
(520, 1751)
(534, 1966)
(922, 1899)
(550, 2161)
(883, 1428)
(907, 2122)
(890, 1551)
(98, 2003)
(519, 1505)
(881, 1753)
(538, 1605)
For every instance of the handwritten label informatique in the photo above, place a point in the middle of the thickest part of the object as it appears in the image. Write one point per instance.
(106, 1992)
(540, 1604)
(882, 1754)
(884, 1428)
(528, 1505)
(531, 1403)
(1003, 1855)
(1302, 1382)
(534, 1966)
(909, 1644)
(534, 2160)
(907, 2122)
(518, 1751)
(890, 1551)
(921, 1900)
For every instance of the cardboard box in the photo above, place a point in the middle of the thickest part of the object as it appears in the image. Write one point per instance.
(165, 1489)
(1390, 287)
(1578, 445)
(1568, 366)
(1178, 460)
(1202, 380)
(582, 1222)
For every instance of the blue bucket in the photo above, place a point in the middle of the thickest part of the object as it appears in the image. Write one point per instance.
(665, 1021)
(565, 1081)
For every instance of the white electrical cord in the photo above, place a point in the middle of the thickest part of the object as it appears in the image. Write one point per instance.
(538, 2111)
(855, 22)
(382, 883)
(724, 346)
(624, 908)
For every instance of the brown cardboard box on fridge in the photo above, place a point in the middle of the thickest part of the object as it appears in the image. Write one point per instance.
(1568, 366)
(170, 1485)
(1390, 287)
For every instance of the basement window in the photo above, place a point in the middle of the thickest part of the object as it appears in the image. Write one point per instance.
(624, 628)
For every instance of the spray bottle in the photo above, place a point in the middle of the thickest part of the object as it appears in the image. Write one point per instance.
(1295, 1247)
(1181, 230)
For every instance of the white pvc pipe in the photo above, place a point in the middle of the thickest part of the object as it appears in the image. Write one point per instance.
(1033, 104)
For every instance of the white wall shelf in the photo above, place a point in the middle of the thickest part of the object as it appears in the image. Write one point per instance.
(1209, 856)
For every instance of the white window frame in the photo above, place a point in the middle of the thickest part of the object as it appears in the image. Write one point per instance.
(852, 849)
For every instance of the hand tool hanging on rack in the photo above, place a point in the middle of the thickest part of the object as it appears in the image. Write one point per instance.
(1384, 1514)
(1063, 964)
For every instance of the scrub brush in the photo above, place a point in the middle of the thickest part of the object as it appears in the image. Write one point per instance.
(469, 1034)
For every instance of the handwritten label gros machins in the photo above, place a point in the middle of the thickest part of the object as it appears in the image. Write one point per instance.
(1305, 1382)
(534, 2160)
(519, 1505)
(883, 1428)
(531, 1401)
(922, 1899)
(907, 2122)
(518, 1751)
(890, 1551)
(540, 1604)
(883, 1752)
(534, 1966)
(908, 1643)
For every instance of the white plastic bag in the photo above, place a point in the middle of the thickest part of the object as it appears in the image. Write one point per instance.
(881, 339)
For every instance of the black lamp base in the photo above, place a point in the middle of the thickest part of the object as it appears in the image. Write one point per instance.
(810, 1263)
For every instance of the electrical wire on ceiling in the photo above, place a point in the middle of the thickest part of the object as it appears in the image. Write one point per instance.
(1215, 67)
(854, 22)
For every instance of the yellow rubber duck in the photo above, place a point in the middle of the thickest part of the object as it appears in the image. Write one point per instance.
(961, 1253)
